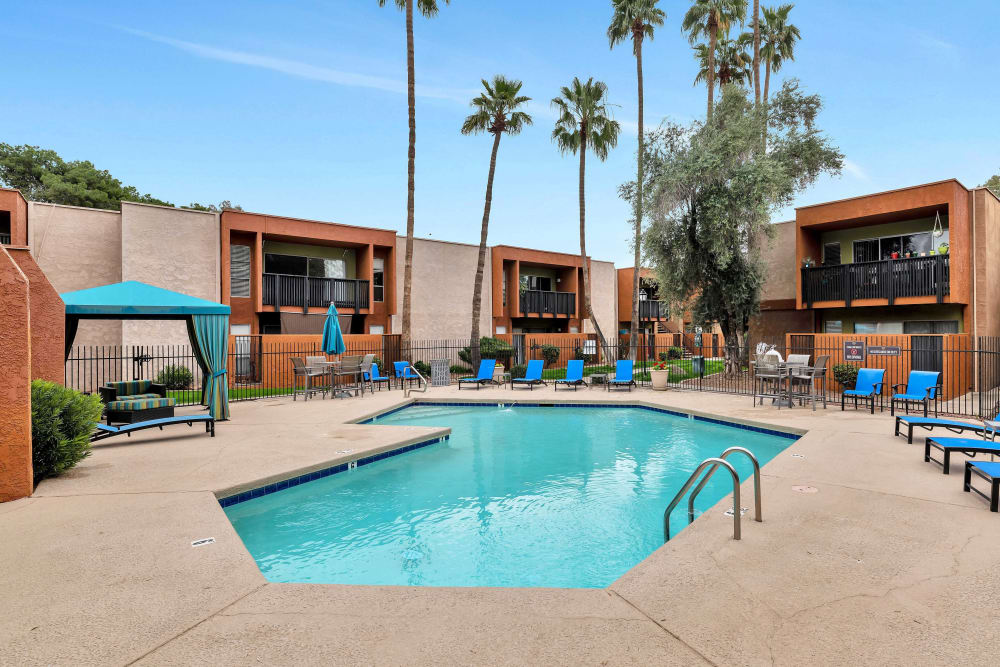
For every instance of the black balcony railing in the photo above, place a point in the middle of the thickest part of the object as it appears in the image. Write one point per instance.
(4, 239)
(304, 292)
(653, 310)
(555, 303)
(886, 279)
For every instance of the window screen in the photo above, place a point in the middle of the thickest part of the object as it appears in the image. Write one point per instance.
(239, 271)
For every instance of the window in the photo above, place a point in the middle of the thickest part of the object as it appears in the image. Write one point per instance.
(866, 250)
(376, 329)
(930, 327)
(541, 283)
(833, 327)
(871, 250)
(831, 254)
(503, 288)
(865, 327)
(878, 327)
(239, 271)
(327, 268)
(378, 279)
(290, 265)
(501, 329)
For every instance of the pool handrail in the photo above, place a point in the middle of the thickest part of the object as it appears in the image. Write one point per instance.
(756, 483)
(687, 485)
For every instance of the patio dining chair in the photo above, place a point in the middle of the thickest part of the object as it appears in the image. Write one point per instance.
(921, 387)
(300, 369)
(766, 377)
(867, 386)
(809, 383)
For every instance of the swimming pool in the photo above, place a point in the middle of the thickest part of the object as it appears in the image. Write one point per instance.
(517, 496)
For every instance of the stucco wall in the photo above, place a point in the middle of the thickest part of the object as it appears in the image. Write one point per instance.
(15, 379)
(443, 277)
(779, 257)
(175, 249)
(987, 270)
(48, 320)
(79, 248)
(603, 298)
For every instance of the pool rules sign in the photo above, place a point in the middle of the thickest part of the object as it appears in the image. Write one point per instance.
(854, 350)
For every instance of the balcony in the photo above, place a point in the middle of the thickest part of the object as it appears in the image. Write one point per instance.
(653, 310)
(4, 239)
(548, 303)
(887, 279)
(304, 292)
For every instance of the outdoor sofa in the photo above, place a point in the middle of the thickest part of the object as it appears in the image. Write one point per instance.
(135, 401)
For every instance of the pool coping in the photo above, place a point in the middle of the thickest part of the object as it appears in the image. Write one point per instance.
(260, 488)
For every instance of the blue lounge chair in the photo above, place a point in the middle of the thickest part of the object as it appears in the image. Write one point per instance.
(990, 471)
(105, 431)
(574, 375)
(404, 372)
(623, 375)
(928, 423)
(921, 387)
(867, 386)
(968, 446)
(373, 376)
(532, 376)
(485, 375)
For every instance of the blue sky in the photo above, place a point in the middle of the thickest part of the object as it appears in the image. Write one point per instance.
(298, 108)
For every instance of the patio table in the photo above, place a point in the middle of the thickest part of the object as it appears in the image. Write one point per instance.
(335, 370)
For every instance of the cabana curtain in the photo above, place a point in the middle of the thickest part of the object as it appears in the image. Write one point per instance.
(210, 338)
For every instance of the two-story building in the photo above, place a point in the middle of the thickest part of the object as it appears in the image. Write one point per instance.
(654, 314)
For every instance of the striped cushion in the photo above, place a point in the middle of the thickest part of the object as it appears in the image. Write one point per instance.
(137, 397)
(131, 387)
(141, 404)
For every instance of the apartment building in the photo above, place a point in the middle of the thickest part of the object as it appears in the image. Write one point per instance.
(654, 314)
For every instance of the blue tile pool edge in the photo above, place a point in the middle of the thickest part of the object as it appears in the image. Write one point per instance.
(676, 413)
(274, 487)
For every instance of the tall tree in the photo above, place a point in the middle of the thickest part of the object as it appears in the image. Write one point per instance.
(712, 194)
(635, 19)
(429, 9)
(710, 18)
(756, 52)
(993, 184)
(585, 123)
(41, 175)
(778, 41)
(497, 111)
(732, 62)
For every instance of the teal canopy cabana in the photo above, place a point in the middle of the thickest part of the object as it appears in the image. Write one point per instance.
(207, 323)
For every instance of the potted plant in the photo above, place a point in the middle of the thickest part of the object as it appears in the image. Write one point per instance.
(660, 375)
(931, 252)
(895, 255)
(943, 249)
(807, 262)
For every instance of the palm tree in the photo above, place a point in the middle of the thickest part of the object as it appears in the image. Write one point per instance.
(756, 52)
(585, 122)
(707, 18)
(635, 19)
(496, 112)
(429, 9)
(778, 41)
(732, 62)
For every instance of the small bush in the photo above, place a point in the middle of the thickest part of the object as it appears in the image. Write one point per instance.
(175, 377)
(461, 370)
(550, 353)
(62, 420)
(846, 375)
(674, 352)
(489, 348)
(518, 371)
(423, 368)
(623, 350)
(578, 354)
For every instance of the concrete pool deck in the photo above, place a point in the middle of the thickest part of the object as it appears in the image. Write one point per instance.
(888, 562)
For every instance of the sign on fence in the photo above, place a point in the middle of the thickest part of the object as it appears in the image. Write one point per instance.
(854, 350)
(887, 350)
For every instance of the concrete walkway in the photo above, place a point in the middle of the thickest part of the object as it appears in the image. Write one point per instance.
(888, 562)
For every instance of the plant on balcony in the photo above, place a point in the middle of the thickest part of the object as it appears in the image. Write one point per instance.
(489, 348)
(550, 354)
(845, 374)
(62, 420)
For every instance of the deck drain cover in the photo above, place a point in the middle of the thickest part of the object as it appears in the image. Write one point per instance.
(805, 489)
(798, 456)
(203, 542)
(743, 510)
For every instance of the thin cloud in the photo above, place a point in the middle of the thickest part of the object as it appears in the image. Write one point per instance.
(855, 170)
(302, 70)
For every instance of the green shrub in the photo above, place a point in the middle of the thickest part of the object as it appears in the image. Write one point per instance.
(461, 370)
(674, 352)
(518, 371)
(423, 368)
(550, 354)
(623, 350)
(175, 377)
(62, 420)
(846, 375)
(578, 354)
(489, 348)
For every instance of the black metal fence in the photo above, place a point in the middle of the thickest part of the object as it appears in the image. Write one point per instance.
(970, 368)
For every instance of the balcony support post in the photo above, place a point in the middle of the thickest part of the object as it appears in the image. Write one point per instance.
(305, 294)
(890, 282)
(848, 284)
(939, 277)
(277, 293)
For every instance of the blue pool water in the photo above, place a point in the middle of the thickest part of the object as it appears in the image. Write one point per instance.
(518, 496)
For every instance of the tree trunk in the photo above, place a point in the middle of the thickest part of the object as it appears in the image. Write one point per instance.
(477, 288)
(583, 244)
(767, 85)
(634, 329)
(756, 52)
(713, 32)
(411, 156)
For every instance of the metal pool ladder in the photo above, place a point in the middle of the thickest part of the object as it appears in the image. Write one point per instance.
(421, 385)
(712, 465)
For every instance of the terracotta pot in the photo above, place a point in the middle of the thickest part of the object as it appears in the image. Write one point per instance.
(659, 379)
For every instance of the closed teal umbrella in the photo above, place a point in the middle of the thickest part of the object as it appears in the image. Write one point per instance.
(333, 337)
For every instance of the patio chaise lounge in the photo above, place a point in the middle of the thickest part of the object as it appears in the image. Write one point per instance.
(574, 375)
(485, 375)
(867, 386)
(921, 387)
(928, 423)
(967, 446)
(990, 471)
(623, 375)
(107, 431)
(532, 376)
